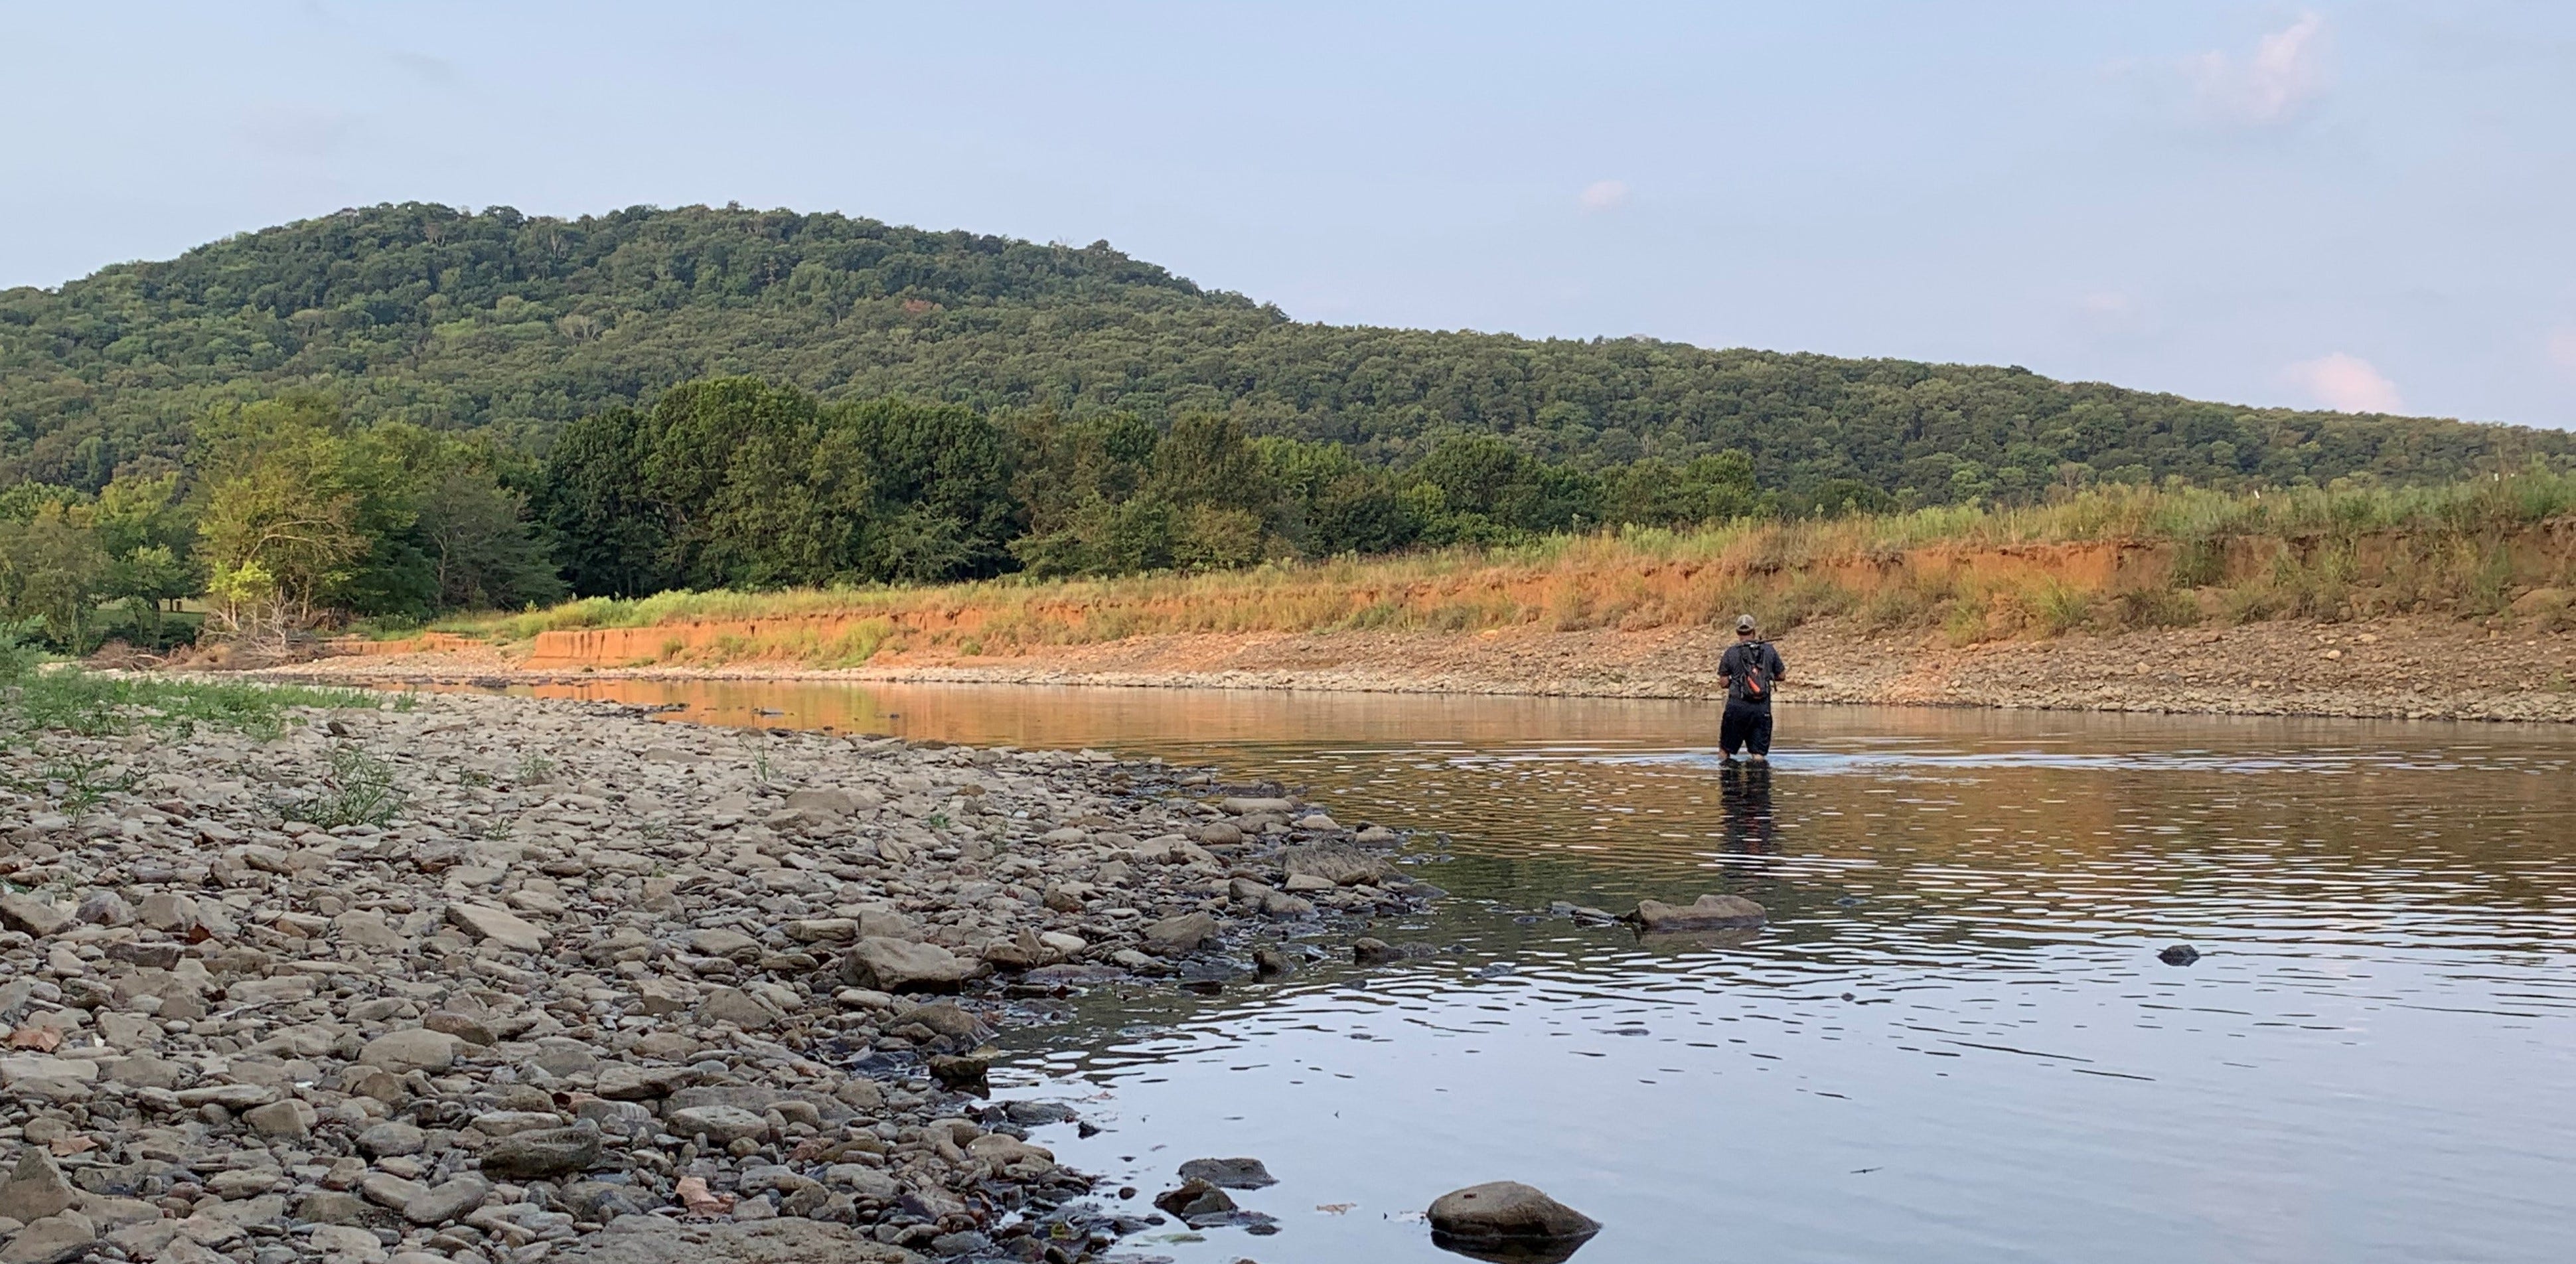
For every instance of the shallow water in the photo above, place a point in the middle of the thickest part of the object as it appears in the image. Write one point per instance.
(1953, 1042)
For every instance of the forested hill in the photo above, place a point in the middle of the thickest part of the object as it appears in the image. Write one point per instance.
(454, 320)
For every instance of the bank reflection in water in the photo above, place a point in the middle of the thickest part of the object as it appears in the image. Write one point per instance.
(1953, 1041)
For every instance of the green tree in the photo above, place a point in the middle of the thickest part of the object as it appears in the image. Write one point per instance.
(941, 482)
(53, 573)
(609, 538)
(1490, 490)
(279, 523)
(1655, 492)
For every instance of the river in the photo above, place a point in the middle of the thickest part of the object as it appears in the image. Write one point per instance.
(1954, 1042)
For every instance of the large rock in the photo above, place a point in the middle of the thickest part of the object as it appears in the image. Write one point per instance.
(720, 1124)
(367, 930)
(32, 915)
(1229, 1173)
(414, 1049)
(1708, 912)
(823, 801)
(391, 1138)
(900, 965)
(21, 1068)
(626, 1082)
(543, 1154)
(497, 926)
(1509, 1217)
(446, 1200)
(1246, 805)
(1175, 935)
(35, 1188)
(52, 1240)
(1195, 1201)
(1338, 863)
(290, 1118)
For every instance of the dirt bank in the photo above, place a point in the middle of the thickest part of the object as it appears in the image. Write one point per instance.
(2417, 667)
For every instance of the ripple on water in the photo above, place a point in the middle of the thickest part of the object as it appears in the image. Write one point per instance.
(1954, 1041)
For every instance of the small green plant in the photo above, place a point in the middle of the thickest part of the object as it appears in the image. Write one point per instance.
(361, 791)
(936, 820)
(533, 769)
(406, 703)
(83, 782)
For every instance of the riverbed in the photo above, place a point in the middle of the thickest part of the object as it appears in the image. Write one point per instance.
(1954, 1041)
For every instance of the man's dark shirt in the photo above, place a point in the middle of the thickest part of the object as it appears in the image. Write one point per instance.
(1737, 658)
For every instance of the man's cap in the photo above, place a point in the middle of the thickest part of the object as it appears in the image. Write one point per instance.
(1744, 623)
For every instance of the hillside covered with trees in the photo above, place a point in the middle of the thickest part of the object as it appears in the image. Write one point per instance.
(404, 410)
(522, 324)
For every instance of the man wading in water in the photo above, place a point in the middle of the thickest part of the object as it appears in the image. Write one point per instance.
(1751, 671)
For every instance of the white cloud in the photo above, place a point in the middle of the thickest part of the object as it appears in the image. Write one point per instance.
(2286, 72)
(2347, 384)
(1604, 195)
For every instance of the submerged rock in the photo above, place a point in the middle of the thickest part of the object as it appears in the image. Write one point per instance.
(1708, 912)
(1229, 1173)
(2179, 955)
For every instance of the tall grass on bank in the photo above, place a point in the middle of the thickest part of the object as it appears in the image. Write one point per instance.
(2223, 556)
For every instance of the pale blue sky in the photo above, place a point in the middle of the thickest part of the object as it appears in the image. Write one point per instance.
(2344, 204)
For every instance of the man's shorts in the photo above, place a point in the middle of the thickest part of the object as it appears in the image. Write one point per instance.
(1745, 728)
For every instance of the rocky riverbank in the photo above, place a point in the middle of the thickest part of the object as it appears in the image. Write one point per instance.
(2412, 667)
(496, 980)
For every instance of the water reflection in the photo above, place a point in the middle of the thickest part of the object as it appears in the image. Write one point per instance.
(1953, 1042)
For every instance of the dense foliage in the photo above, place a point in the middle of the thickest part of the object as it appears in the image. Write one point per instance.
(287, 516)
(451, 321)
(401, 410)
(734, 483)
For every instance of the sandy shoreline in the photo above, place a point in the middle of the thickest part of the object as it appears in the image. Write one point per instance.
(2404, 668)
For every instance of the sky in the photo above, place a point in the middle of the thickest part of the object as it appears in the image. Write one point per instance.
(2359, 205)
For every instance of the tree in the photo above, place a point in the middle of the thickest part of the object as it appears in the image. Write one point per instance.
(1482, 489)
(1658, 493)
(142, 526)
(279, 524)
(482, 553)
(608, 537)
(52, 572)
(941, 486)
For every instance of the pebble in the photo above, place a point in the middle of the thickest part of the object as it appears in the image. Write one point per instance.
(595, 970)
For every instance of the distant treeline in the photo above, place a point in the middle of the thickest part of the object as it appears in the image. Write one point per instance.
(735, 483)
(520, 326)
(287, 515)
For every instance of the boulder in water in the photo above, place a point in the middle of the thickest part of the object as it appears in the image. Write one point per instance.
(1229, 1173)
(1708, 912)
(1508, 1220)
(2179, 955)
